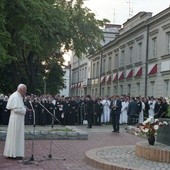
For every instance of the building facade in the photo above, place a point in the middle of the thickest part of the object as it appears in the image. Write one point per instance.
(136, 62)
(81, 67)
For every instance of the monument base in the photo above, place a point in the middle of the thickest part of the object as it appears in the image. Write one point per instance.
(159, 152)
(163, 132)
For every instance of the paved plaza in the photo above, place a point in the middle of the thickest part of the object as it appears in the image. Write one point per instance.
(71, 150)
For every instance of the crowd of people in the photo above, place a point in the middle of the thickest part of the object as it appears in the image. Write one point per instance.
(97, 110)
(20, 109)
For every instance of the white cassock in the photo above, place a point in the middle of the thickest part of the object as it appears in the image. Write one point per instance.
(15, 142)
(141, 114)
(151, 108)
(123, 115)
(106, 111)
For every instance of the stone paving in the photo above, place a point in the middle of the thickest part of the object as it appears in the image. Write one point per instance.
(74, 150)
(124, 156)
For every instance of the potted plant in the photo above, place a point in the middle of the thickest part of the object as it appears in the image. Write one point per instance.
(149, 128)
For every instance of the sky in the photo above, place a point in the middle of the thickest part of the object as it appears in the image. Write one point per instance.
(119, 11)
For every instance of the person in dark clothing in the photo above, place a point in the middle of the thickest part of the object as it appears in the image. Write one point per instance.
(59, 110)
(29, 113)
(49, 117)
(139, 103)
(132, 111)
(74, 108)
(115, 107)
(67, 112)
(147, 107)
(5, 112)
(89, 111)
(158, 108)
(164, 108)
(1, 108)
(81, 110)
(98, 110)
(43, 112)
(37, 109)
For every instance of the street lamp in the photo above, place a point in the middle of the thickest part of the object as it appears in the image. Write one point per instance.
(45, 81)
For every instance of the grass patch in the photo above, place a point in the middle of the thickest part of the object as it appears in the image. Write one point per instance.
(62, 130)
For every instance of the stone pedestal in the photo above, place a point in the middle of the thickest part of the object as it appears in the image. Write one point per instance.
(159, 152)
(164, 133)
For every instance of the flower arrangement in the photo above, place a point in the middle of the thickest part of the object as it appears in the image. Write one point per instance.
(150, 126)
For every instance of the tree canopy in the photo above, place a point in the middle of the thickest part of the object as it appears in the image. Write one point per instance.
(34, 32)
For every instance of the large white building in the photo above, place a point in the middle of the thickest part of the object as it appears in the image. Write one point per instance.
(136, 62)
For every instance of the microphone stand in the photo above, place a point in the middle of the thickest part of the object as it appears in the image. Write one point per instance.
(49, 112)
(50, 157)
(31, 159)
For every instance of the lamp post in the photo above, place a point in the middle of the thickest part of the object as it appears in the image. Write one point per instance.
(45, 81)
(146, 61)
(100, 85)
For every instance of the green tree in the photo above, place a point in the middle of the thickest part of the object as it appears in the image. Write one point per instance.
(4, 36)
(54, 79)
(38, 30)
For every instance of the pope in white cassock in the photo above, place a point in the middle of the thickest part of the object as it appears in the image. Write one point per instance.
(15, 142)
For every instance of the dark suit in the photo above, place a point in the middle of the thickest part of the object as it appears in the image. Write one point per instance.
(98, 109)
(158, 110)
(5, 114)
(67, 113)
(90, 112)
(132, 111)
(115, 113)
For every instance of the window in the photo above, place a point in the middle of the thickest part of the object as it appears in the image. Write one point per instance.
(116, 63)
(130, 55)
(97, 70)
(103, 66)
(96, 92)
(129, 89)
(122, 59)
(77, 76)
(80, 74)
(140, 51)
(166, 87)
(73, 78)
(121, 89)
(115, 90)
(109, 63)
(94, 70)
(92, 92)
(152, 88)
(168, 42)
(85, 73)
(138, 88)
(154, 47)
(108, 91)
(103, 91)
